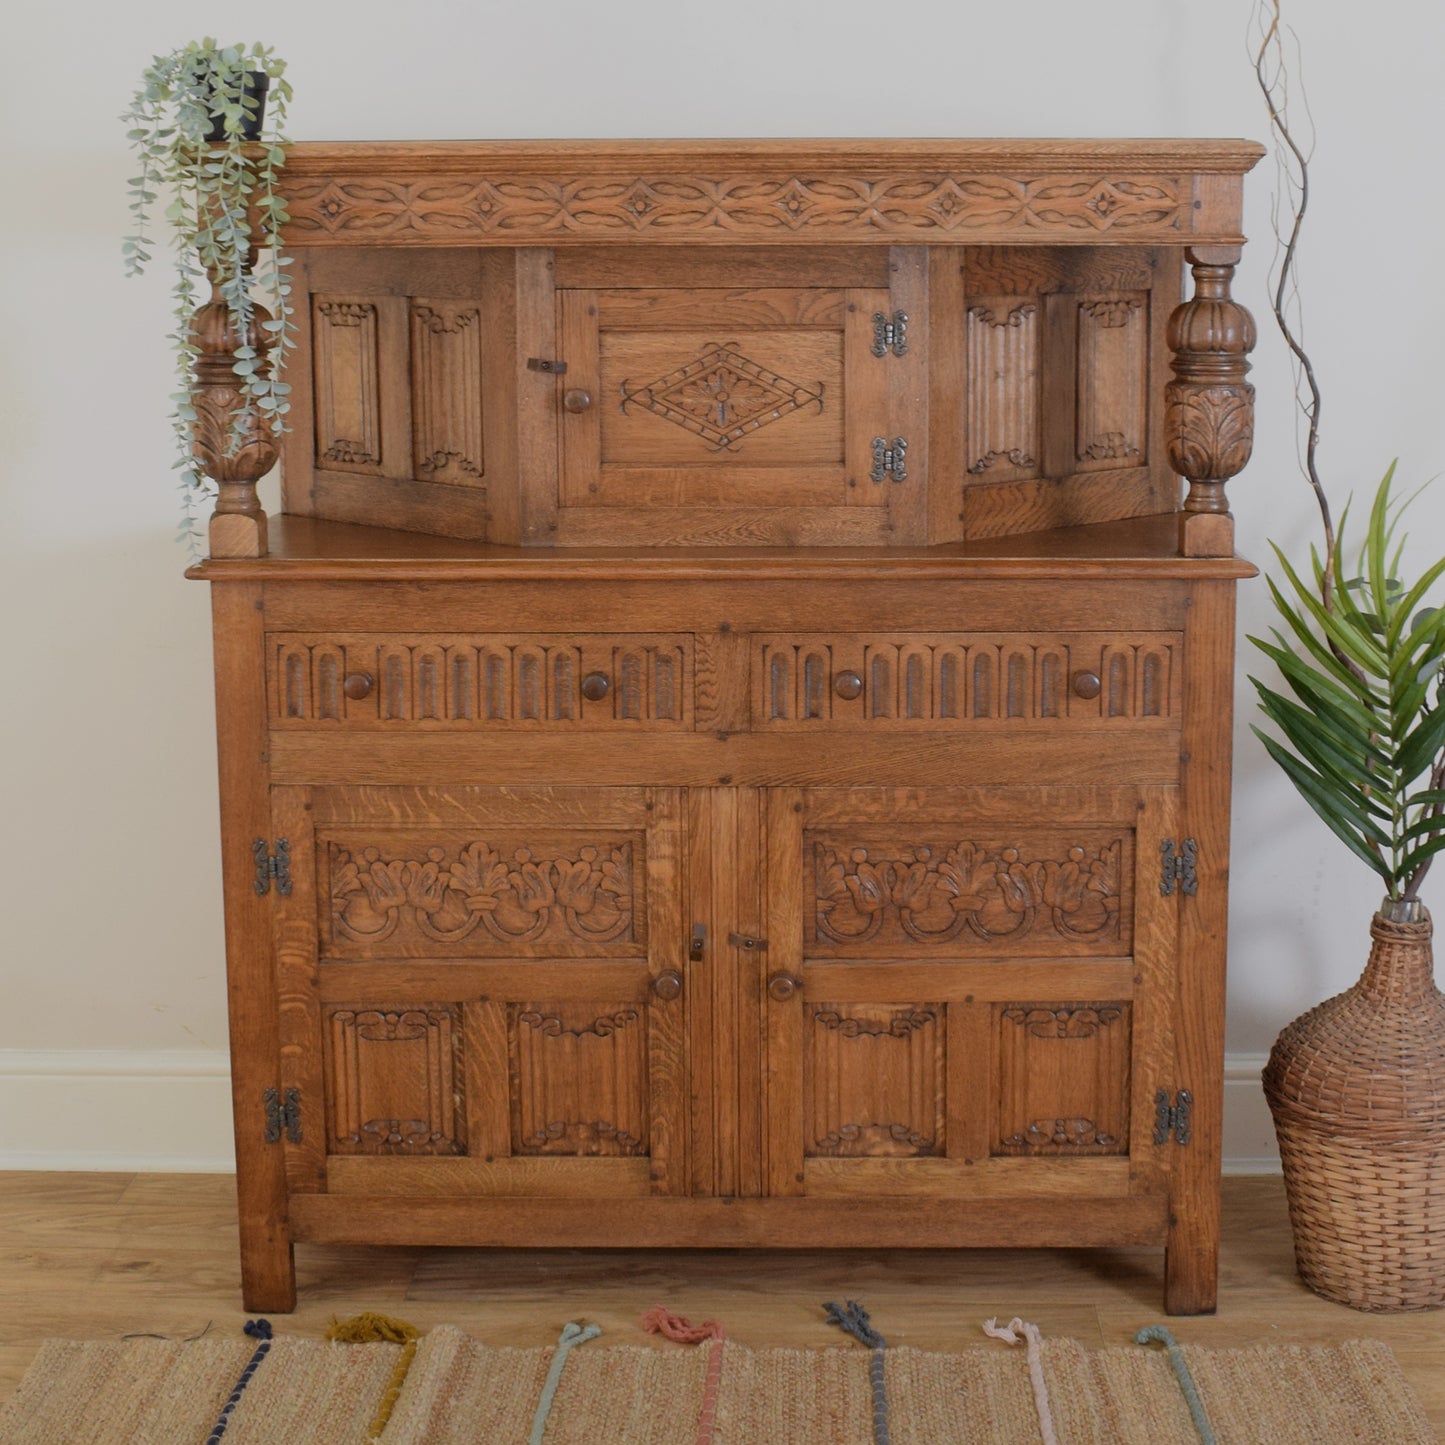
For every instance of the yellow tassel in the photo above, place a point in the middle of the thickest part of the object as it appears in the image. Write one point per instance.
(371, 1329)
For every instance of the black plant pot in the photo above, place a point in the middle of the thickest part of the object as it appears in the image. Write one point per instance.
(255, 88)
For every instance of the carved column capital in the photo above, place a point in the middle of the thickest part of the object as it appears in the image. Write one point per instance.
(234, 453)
(1209, 406)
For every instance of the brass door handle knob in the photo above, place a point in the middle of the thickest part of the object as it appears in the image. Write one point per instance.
(667, 985)
(848, 685)
(596, 686)
(782, 986)
(357, 685)
(575, 399)
(1087, 684)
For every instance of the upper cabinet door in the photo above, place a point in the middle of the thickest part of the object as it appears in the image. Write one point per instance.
(720, 407)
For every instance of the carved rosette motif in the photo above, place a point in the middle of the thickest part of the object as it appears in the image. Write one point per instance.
(1209, 407)
(387, 208)
(449, 897)
(936, 895)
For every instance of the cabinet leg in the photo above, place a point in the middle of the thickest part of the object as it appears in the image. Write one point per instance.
(268, 1268)
(1191, 1269)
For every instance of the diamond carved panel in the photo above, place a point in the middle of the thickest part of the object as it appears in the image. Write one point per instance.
(722, 396)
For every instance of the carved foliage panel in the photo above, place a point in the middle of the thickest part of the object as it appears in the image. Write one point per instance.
(578, 1078)
(873, 1081)
(346, 342)
(1111, 420)
(394, 1079)
(487, 892)
(1005, 370)
(952, 680)
(446, 389)
(470, 682)
(966, 891)
(1063, 1078)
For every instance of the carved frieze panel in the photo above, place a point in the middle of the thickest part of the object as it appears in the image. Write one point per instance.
(446, 391)
(955, 680)
(499, 892)
(1063, 1078)
(1004, 380)
(1111, 427)
(759, 206)
(578, 1078)
(874, 891)
(873, 1080)
(497, 681)
(394, 1080)
(348, 397)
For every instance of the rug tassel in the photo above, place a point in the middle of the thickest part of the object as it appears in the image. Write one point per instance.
(852, 1318)
(1017, 1332)
(661, 1321)
(572, 1334)
(259, 1330)
(1181, 1372)
(376, 1329)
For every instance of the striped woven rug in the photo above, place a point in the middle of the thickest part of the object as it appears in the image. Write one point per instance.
(709, 1391)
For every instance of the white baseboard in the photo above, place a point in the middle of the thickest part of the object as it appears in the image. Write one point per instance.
(169, 1111)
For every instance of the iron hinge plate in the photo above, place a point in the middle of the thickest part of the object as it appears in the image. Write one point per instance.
(888, 460)
(272, 867)
(282, 1115)
(1172, 1118)
(1177, 870)
(890, 333)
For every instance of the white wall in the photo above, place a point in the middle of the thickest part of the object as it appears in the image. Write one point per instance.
(112, 1016)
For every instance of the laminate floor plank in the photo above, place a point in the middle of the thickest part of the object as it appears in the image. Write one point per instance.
(95, 1256)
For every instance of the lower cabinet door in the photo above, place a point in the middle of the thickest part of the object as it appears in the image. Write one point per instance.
(483, 990)
(966, 992)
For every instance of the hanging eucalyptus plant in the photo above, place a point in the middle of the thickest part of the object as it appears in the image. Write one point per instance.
(196, 126)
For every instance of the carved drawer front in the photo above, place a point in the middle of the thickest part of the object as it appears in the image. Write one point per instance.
(643, 680)
(968, 890)
(960, 680)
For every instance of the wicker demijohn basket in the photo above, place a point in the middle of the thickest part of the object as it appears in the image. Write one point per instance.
(1357, 1089)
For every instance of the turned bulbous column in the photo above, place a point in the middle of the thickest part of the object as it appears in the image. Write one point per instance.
(233, 445)
(1209, 406)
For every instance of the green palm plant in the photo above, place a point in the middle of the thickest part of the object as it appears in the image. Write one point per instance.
(1364, 732)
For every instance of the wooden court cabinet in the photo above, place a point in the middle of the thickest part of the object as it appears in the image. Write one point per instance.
(728, 741)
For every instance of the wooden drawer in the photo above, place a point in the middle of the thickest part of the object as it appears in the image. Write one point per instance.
(955, 680)
(450, 680)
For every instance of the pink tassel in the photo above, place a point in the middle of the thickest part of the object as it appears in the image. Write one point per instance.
(658, 1321)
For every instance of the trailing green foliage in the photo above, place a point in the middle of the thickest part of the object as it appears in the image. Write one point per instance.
(217, 191)
(1363, 736)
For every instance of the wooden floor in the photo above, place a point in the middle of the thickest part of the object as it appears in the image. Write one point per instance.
(93, 1256)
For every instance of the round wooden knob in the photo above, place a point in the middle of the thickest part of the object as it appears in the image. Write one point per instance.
(1087, 684)
(576, 399)
(596, 686)
(357, 685)
(848, 685)
(667, 985)
(782, 986)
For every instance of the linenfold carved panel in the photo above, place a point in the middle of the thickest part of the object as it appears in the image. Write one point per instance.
(469, 682)
(1063, 1078)
(394, 1080)
(348, 398)
(579, 1078)
(915, 206)
(877, 891)
(502, 892)
(873, 1080)
(1113, 375)
(950, 680)
(1004, 377)
(446, 391)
